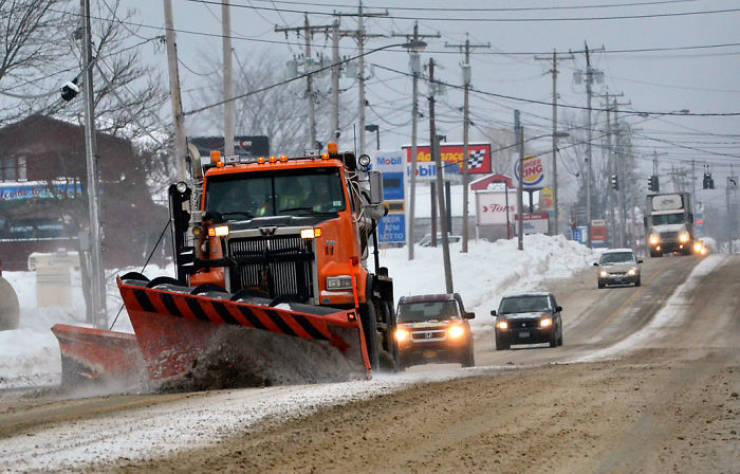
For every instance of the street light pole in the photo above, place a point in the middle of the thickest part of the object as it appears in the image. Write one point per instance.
(519, 131)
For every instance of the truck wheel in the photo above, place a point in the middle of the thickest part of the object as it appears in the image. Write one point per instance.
(370, 329)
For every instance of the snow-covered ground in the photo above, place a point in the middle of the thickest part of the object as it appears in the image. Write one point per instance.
(29, 356)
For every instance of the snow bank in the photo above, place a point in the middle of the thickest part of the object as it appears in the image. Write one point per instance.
(29, 356)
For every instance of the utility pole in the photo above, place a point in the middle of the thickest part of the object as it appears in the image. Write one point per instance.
(415, 66)
(335, 69)
(590, 74)
(434, 141)
(519, 132)
(554, 71)
(619, 165)
(228, 79)
(466, 70)
(175, 98)
(307, 31)
(97, 301)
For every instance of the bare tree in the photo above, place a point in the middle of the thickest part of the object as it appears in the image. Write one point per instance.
(280, 113)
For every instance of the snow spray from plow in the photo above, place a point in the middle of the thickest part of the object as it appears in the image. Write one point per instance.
(194, 340)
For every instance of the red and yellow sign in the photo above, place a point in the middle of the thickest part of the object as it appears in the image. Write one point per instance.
(479, 156)
(534, 170)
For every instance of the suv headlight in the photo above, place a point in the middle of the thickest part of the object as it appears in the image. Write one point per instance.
(502, 324)
(545, 322)
(340, 282)
(402, 334)
(603, 273)
(456, 331)
(632, 271)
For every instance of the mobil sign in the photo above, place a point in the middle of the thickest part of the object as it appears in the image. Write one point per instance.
(390, 163)
(479, 157)
(534, 170)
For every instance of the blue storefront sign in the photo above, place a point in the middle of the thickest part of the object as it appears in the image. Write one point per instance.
(392, 228)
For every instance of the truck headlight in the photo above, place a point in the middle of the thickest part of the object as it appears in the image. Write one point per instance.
(402, 334)
(603, 274)
(456, 331)
(502, 324)
(654, 239)
(218, 231)
(545, 322)
(683, 237)
(632, 272)
(310, 233)
(340, 282)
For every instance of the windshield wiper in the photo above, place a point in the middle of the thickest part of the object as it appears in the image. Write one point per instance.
(246, 214)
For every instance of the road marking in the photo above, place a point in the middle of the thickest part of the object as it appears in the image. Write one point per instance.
(621, 307)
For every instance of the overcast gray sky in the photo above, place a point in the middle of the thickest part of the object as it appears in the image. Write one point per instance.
(699, 80)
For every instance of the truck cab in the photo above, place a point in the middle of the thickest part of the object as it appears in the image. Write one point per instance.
(669, 224)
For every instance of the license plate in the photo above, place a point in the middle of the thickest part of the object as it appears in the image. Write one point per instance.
(429, 354)
(523, 334)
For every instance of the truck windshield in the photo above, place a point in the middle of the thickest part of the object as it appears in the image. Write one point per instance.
(525, 304)
(663, 219)
(275, 193)
(428, 310)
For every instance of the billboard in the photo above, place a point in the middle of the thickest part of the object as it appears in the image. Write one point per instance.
(14, 191)
(534, 170)
(479, 157)
(392, 229)
(491, 207)
(536, 223)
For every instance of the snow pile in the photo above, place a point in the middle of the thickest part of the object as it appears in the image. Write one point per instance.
(30, 355)
(487, 271)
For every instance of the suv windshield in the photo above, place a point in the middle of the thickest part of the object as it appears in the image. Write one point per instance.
(663, 219)
(265, 193)
(617, 257)
(524, 304)
(425, 311)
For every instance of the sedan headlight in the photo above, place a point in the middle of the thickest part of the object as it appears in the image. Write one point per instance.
(603, 274)
(683, 237)
(502, 324)
(545, 322)
(402, 334)
(340, 282)
(632, 272)
(654, 239)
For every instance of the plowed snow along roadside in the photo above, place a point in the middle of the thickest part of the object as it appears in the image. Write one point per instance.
(30, 356)
(204, 418)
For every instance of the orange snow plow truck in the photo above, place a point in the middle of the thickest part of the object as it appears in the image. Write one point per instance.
(272, 283)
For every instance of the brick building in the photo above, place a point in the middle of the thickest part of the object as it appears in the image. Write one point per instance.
(43, 194)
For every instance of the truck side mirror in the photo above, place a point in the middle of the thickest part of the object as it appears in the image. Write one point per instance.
(376, 186)
(493, 312)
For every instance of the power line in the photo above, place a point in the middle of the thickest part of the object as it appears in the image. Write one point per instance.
(577, 107)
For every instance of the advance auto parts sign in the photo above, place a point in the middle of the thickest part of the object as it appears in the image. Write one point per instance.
(479, 157)
(534, 171)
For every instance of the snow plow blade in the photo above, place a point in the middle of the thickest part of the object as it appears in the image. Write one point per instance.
(99, 356)
(205, 338)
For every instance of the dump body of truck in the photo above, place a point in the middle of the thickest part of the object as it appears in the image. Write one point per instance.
(669, 224)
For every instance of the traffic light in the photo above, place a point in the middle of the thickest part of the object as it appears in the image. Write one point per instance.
(708, 181)
(70, 90)
(653, 183)
(615, 181)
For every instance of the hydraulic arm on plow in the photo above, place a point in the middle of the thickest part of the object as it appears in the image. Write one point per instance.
(272, 283)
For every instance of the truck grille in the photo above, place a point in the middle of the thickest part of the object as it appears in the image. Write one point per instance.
(669, 236)
(276, 265)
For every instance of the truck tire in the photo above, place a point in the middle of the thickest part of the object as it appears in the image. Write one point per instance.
(391, 359)
(370, 329)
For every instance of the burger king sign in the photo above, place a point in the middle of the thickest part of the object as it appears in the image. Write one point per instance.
(534, 171)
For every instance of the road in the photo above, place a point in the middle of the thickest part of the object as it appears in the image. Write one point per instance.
(646, 381)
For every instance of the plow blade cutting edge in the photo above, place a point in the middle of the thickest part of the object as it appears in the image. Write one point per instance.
(97, 355)
(213, 339)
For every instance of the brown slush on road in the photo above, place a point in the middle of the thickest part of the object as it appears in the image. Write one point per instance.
(670, 406)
